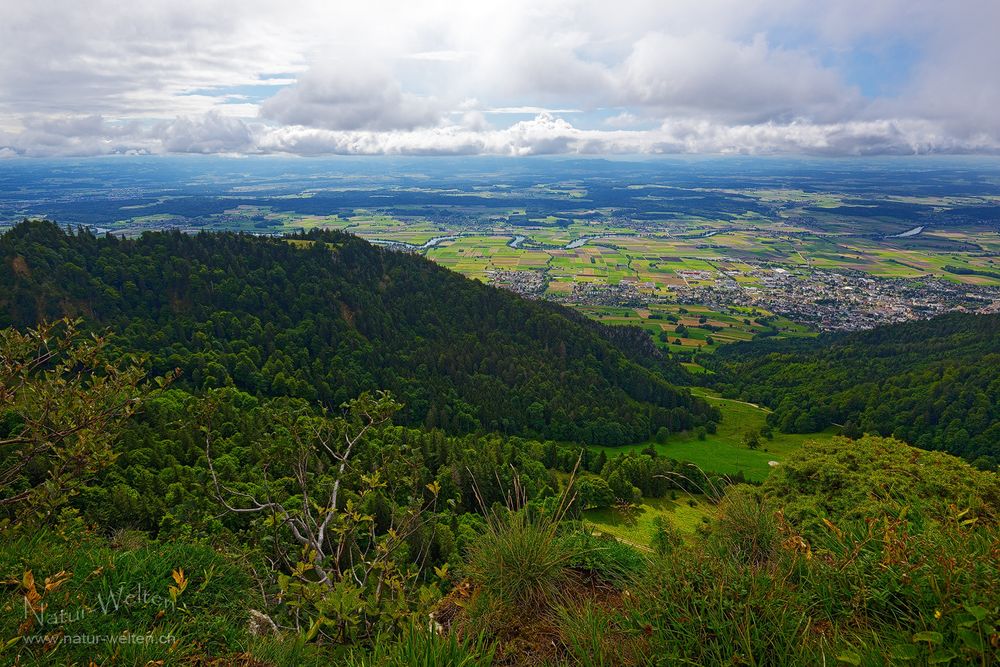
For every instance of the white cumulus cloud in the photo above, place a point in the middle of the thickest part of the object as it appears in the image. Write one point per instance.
(349, 96)
(851, 77)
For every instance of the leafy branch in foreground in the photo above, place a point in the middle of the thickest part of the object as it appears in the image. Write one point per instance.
(321, 495)
(63, 407)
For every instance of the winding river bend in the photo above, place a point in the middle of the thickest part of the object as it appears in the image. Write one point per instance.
(411, 246)
(514, 242)
(907, 234)
(583, 240)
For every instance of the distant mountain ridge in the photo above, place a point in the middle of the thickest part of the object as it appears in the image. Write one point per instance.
(325, 315)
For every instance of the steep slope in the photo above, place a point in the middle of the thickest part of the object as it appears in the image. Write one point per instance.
(934, 384)
(325, 316)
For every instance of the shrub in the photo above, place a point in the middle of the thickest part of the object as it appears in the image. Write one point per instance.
(875, 477)
(699, 609)
(608, 558)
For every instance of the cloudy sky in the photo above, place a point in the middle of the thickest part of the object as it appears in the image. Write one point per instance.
(508, 77)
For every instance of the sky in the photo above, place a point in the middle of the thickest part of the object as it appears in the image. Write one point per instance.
(510, 77)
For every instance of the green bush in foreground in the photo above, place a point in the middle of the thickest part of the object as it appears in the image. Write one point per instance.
(746, 529)
(874, 477)
(866, 553)
(603, 556)
(870, 593)
(886, 587)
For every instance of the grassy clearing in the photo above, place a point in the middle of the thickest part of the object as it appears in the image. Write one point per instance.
(724, 451)
(636, 528)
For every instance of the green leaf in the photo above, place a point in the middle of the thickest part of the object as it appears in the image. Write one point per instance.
(314, 629)
(9, 643)
(905, 652)
(929, 636)
(980, 613)
(971, 639)
(850, 658)
(941, 658)
(965, 620)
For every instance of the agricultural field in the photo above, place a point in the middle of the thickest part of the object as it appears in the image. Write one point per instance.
(695, 329)
(656, 265)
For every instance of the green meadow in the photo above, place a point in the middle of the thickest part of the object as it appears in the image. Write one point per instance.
(636, 525)
(724, 451)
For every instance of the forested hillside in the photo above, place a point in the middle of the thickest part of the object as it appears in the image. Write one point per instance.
(326, 316)
(934, 383)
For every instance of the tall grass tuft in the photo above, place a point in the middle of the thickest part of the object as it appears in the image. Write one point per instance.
(592, 637)
(746, 529)
(519, 563)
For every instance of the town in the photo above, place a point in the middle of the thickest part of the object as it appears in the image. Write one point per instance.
(843, 300)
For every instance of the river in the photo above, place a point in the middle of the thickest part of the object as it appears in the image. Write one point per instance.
(907, 234)
(579, 242)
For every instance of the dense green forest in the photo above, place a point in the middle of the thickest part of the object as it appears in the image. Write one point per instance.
(158, 483)
(932, 383)
(327, 316)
